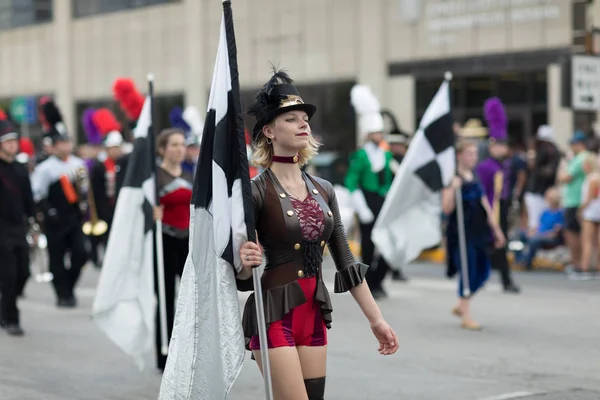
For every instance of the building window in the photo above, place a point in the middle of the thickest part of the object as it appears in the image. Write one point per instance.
(84, 8)
(17, 13)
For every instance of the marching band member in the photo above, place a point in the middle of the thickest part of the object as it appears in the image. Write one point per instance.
(175, 191)
(47, 130)
(369, 179)
(16, 207)
(103, 174)
(494, 174)
(296, 215)
(60, 189)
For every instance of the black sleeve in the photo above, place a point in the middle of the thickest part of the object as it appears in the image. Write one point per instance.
(120, 175)
(258, 196)
(29, 204)
(98, 186)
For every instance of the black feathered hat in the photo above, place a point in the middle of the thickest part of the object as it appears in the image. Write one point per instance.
(396, 135)
(57, 131)
(276, 97)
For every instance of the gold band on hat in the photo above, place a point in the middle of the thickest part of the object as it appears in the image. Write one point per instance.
(290, 100)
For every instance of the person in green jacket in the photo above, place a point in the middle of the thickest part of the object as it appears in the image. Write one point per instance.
(369, 179)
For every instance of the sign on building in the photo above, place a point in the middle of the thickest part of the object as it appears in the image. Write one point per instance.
(23, 110)
(585, 83)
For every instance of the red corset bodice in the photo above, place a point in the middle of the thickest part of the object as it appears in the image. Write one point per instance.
(310, 215)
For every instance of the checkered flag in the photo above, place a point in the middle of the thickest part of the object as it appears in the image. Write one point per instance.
(433, 143)
(409, 221)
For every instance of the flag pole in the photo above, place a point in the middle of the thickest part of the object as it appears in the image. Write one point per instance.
(462, 243)
(160, 260)
(262, 333)
(460, 221)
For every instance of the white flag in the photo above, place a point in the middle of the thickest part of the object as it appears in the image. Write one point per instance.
(207, 351)
(124, 306)
(410, 219)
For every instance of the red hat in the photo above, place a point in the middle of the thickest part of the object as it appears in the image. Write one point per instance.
(26, 146)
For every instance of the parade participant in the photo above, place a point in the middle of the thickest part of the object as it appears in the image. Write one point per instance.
(369, 179)
(47, 130)
(175, 191)
(103, 174)
(131, 102)
(398, 144)
(478, 220)
(26, 153)
(60, 191)
(188, 121)
(16, 207)
(494, 174)
(296, 215)
(396, 139)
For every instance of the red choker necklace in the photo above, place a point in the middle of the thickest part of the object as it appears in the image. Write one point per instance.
(286, 160)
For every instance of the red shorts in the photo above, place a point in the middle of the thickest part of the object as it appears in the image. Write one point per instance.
(302, 326)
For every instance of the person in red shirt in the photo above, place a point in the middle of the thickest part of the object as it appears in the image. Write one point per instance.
(175, 191)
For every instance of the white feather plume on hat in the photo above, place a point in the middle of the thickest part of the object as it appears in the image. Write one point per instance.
(191, 115)
(367, 108)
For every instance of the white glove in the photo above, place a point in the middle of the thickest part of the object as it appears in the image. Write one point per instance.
(365, 215)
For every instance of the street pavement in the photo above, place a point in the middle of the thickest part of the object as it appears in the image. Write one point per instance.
(541, 345)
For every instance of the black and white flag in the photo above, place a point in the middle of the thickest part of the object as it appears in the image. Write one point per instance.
(124, 305)
(206, 352)
(410, 220)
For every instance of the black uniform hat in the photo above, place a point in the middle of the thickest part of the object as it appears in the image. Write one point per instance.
(7, 131)
(395, 136)
(276, 97)
(57, 131)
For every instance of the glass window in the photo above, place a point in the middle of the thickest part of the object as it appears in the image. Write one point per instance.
(16, 13)
(512, 88)
(540, 88)
(424, 92)
(478, 90)
(84, 8)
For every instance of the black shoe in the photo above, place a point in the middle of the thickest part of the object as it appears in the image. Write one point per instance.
(398, 275)
(67, 303)
(512, 289)
(14, 330)
(378, 294)
(3, 323)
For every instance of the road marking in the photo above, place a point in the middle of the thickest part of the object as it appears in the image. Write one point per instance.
(508, 396)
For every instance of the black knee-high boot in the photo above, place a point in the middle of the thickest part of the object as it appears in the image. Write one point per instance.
(315, 388)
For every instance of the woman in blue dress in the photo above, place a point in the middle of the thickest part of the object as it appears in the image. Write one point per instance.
(480, 230)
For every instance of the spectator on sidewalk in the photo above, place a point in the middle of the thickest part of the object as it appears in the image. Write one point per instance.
(573, 178)
(543, 161)
(548, 230)
(589, 213)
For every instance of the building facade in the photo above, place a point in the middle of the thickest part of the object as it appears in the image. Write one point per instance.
(73, 50)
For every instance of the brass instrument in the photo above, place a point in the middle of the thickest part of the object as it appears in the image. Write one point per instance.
(94, 226)
(39, 262)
